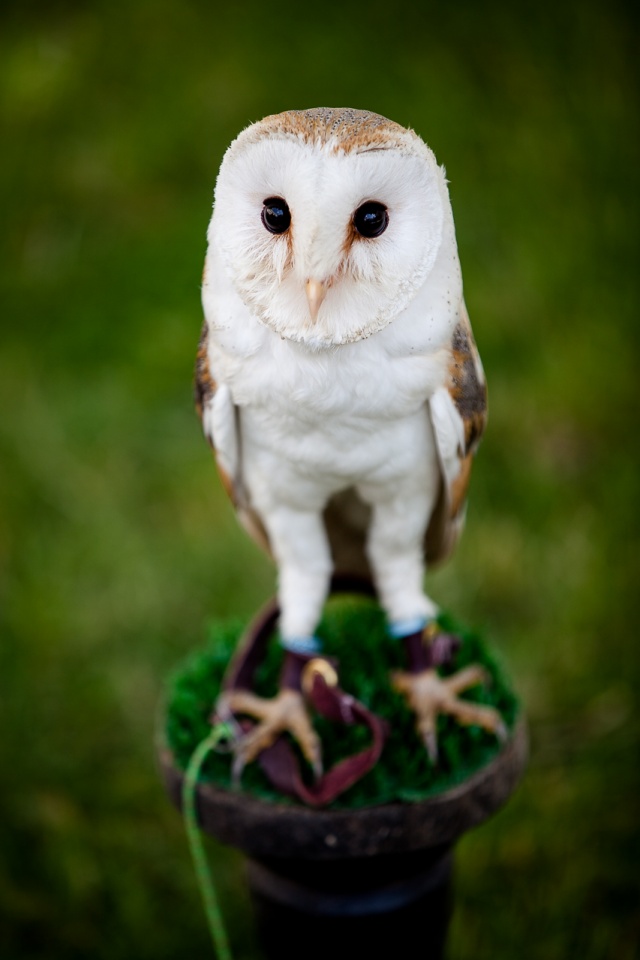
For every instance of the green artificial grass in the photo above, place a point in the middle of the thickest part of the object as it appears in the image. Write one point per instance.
(353, 630)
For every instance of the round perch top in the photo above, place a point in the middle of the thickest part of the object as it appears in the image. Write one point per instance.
(262, 829)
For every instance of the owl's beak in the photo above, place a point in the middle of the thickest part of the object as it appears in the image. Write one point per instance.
(316, 292)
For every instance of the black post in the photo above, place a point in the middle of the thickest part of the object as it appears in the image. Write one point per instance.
(389, 906)
(372, 882)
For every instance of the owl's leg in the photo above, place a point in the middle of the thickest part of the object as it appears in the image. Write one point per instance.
(395, 550)
(301, 549)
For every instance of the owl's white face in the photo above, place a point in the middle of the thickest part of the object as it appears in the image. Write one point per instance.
(327, 245)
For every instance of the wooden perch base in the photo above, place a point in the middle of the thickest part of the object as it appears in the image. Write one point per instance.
(379, 877)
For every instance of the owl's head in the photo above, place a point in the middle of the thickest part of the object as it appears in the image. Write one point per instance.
(329, 222)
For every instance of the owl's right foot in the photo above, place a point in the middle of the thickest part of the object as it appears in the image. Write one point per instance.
(430, 695)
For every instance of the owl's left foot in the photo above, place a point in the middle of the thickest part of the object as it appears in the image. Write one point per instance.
(285, 713)
(429, 695)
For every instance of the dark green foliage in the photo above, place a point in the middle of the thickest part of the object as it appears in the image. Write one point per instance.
(353, 631)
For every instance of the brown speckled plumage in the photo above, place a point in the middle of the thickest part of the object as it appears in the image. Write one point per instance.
(204, 385)
(468, 391)
(347, 129)
(466, 383)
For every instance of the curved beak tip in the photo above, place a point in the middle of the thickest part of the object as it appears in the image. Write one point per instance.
(316, 291)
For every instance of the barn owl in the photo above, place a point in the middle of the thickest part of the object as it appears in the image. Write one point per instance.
(339, 384)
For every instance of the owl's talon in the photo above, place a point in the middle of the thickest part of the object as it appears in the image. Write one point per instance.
(237, 769)
(223, 721)
(431, 744)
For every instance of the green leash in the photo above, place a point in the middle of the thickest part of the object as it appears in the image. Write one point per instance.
(205, 880)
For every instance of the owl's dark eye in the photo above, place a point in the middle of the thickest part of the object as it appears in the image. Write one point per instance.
(371, 219)
(276, 215)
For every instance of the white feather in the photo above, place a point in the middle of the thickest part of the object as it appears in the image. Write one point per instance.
(449, 433)
(221, 420)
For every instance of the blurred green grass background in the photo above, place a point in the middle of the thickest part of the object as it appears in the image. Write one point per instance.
(116, 542)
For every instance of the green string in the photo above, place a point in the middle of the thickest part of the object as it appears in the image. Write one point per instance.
(203, 874)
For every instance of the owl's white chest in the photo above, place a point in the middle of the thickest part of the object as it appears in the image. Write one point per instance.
(340, 418)
(344, 414)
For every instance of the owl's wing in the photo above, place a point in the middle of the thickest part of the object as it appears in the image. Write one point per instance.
(458, 412)
(221, 425)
